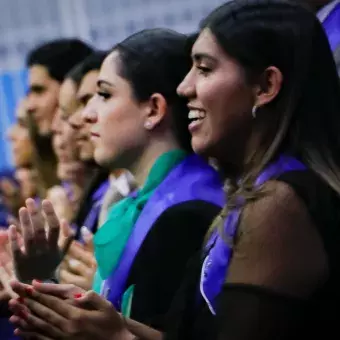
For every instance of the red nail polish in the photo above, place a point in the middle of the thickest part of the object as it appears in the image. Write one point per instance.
(29, 290)
(78, 296)
(21, 300)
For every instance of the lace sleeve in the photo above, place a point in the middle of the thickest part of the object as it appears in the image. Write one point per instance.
(278, 263)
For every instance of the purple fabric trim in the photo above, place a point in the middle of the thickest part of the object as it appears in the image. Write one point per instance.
(215, 265)
(68, 189)
(192, 179)
(332, 27)
(7, 330)
(92, 217)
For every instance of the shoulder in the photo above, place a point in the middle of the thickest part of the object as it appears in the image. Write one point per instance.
(279, 245)
(280, 212)
(182, 226)
(189, 213)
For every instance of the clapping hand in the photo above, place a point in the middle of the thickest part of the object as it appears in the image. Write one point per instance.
(57, 315)
(40, 255)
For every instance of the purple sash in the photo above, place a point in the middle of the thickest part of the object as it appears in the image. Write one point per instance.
(7, 330)
(92, 217)
(192, 179)
(215, 265)
(332, 27)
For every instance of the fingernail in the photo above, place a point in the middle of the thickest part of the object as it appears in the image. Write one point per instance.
(78, 296)
(29, 290)
(37, 281)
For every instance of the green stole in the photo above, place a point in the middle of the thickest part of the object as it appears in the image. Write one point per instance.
(111, 238)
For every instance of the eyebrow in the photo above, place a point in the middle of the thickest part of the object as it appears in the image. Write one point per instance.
(199, 56)
(104, 82)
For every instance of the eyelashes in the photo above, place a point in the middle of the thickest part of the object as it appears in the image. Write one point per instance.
(203, 70)
(104, 95)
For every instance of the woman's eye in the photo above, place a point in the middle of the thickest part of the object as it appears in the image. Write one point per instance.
(104, 95)
(203, 70)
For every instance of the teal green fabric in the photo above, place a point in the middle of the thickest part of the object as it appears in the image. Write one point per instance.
(127, 301)
(97, 283)
(111, 238)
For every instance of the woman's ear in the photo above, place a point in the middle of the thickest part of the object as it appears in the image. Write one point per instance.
(269, 86)
(156, 109)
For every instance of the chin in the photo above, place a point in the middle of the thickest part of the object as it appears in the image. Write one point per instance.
(86, 157)
(101, 159)
(198, 147)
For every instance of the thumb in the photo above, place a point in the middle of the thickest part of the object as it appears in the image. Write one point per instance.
(93, 300)
(88, 238)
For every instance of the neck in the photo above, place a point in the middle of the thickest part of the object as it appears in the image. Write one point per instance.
(247, 157)
(142, 166)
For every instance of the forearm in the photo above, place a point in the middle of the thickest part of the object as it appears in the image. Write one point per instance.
(142, 332)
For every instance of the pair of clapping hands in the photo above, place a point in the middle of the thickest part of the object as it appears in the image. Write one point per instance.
(34, 247)
(47, 311)
(53, 311)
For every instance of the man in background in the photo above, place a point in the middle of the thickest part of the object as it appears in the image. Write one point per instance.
(47, 65)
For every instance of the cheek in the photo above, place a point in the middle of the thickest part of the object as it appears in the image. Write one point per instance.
(116, 120)
(225, 100)
(50, 101)
(21, 138)
(120, 129)
(25, 137)
(68, 134)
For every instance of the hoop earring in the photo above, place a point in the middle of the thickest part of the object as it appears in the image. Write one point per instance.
(253, 111)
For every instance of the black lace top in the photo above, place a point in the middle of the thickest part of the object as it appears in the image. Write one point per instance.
(249, 312)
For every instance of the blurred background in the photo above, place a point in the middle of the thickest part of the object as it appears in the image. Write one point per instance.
(27, 23)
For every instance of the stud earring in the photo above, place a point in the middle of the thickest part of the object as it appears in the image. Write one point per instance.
(148, 125)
